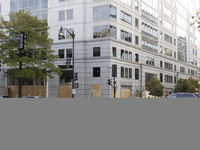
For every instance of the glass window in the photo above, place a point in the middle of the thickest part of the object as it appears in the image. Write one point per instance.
(61, 15)
(130, 73)
(126, 18)
(126, 36)
(161, 64)
(161, 49)
(61, 53)
(114, 51)
(122, 54)
(136, 40)
(161, 77)
(70, 14)
(126, 55)
(113, 13)
(130, 56)
(104, 31)
(103, 12)
(96, 72)
(114, 70)
(136, 5)
(136, 74)
(69, 53)
(122, 72)
(136, 22)
(126, 72)
(136, 57)
(96, 51)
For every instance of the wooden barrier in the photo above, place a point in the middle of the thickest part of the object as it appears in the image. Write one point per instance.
(125, 93)
(64, 91)
(27, 90)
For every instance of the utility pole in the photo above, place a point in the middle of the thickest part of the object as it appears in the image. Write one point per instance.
(73, 74)
(20, 48)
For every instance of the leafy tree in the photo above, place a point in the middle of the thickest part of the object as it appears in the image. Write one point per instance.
(187, 85)
(37, 58)
(155, 87)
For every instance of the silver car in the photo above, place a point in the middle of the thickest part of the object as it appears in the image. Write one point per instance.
(182, 95)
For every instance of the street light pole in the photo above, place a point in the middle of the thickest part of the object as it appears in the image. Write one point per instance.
(73, 36)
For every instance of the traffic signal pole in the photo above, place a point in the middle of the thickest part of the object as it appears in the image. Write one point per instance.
(20, 48)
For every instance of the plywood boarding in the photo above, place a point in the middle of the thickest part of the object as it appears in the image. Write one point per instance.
(64, 91)
(27, 90)
(96, 91)
(125, 93)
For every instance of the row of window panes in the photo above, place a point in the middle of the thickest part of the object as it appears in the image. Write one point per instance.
(125, 72)
(65, 15)
(65, 53)
(125, 17)
(147, 44)
(149, 13)
(182, 45)
(182, 69)
(104, 12)
(168, 79)
(28, 5)
(150, 30)
(110, 31)
(150, 61)
(192, 61)
(104, 31)
(168, 66)
(168, 52)
(168, 38)
(192, 72)
(192, 51)
(126, 36)
(126, 55)
(151, 3)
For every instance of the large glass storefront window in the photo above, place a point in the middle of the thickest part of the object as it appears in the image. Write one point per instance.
(38, 6)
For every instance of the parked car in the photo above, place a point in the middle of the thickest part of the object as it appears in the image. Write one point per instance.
(3, 96)
(33, 97)
(182, 95)
(197, 94)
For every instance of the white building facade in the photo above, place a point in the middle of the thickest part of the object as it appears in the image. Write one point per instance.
(131, 40)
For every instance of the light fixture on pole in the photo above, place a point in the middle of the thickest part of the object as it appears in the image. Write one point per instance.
(61, 36)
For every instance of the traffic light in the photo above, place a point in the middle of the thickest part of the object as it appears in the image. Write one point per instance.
(76, 85)
(76, 76)
(69, 61)
(21, 41)
(109, 81)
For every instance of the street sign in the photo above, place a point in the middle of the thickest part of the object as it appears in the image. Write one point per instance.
(73, 91)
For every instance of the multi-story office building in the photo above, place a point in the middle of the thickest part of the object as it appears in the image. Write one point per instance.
(134, 40)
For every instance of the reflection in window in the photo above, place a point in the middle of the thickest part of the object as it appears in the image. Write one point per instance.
(126, 18)
(168, 52)
(104, 31)
(126, 36)
(104, 12)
